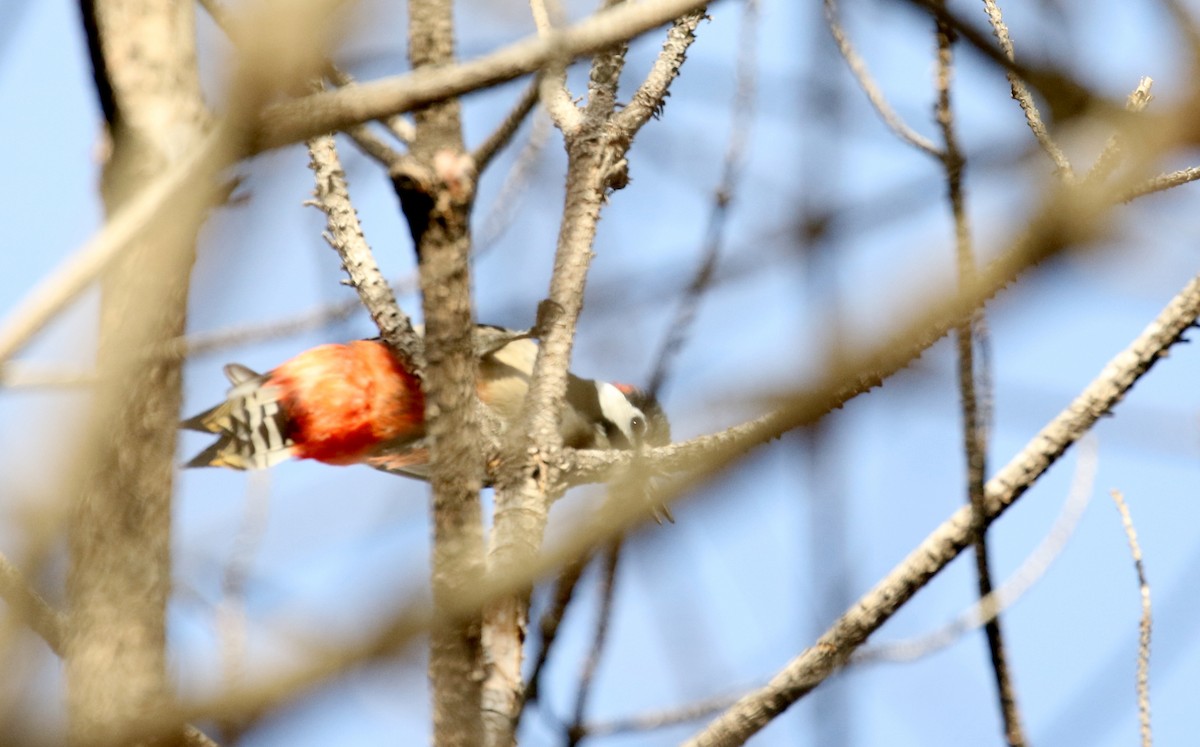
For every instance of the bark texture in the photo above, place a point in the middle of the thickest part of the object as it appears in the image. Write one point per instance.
(120, 572)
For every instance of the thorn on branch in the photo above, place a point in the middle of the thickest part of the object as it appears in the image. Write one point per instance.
(660, 106)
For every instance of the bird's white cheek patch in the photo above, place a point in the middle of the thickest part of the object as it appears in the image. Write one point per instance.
(616, 408)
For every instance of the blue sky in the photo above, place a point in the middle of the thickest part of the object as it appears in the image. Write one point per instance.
(722, 599)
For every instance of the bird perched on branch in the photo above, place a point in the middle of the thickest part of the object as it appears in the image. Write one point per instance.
(360, 402)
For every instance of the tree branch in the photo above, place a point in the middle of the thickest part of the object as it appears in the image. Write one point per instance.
(744, 101)
(1014, 587)
(858, 68)
(30, 607)
(1144, 627)
(968, 334)
(303, 118)
(119, 538)
(564, 592)
(650, 97)
(596, 150)
(552, 88)
(503, 134)
(608, 584)
(360, 134)
(1021, 93)
(436, 188)
(833, 649)
(345, 235)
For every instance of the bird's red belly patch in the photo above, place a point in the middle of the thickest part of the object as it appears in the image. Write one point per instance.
(344, 401)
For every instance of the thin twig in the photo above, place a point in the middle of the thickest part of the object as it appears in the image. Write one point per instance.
(552, 83)
(974, 426)
(503, 209)
(1024, 98)
(372, 145)
(548, 626)
(858, 68)
(400, 127)
(362, 136)
(1144, 626)
(231, 610)
(744, 100)
(1004, 596)
(29, 606)
(1110, 155)
(661, 719)
(833, 649)
(488, 149)
(345, 236)
(60, 287)
(1161, 183)
(650, 97)
(608, 585)
(300, 119)
(21, 374)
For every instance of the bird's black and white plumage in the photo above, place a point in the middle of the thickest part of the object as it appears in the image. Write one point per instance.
(361, 403)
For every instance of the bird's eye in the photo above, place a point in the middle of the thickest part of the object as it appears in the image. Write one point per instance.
(638, 425)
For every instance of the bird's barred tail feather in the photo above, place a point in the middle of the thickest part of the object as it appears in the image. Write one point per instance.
(251, 426)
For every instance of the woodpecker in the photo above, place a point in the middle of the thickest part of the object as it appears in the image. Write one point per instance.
(360, 403)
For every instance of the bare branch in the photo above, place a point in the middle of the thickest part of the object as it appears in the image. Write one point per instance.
(488, 149)
(345, 236)
(360, 134)
(530, 462)
(30, 607)
(177, 183)
(530, 474)
(1162, 183)
(121, 486)
(21, 374)
(564, 592)
(1014, 587)
(552, 84)
(608, 585)
(1110, 156)
(1144, 627)
(651, 96)
(503, 210)
(436, 189)
(744, 100)
(335, 110)
(401, 128)
(662, 719)
(1024, 98)
(967, 334)
(833, 649)
(372, 145)
(858, 67)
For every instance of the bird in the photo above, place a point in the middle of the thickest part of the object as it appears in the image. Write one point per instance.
(360, 402)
